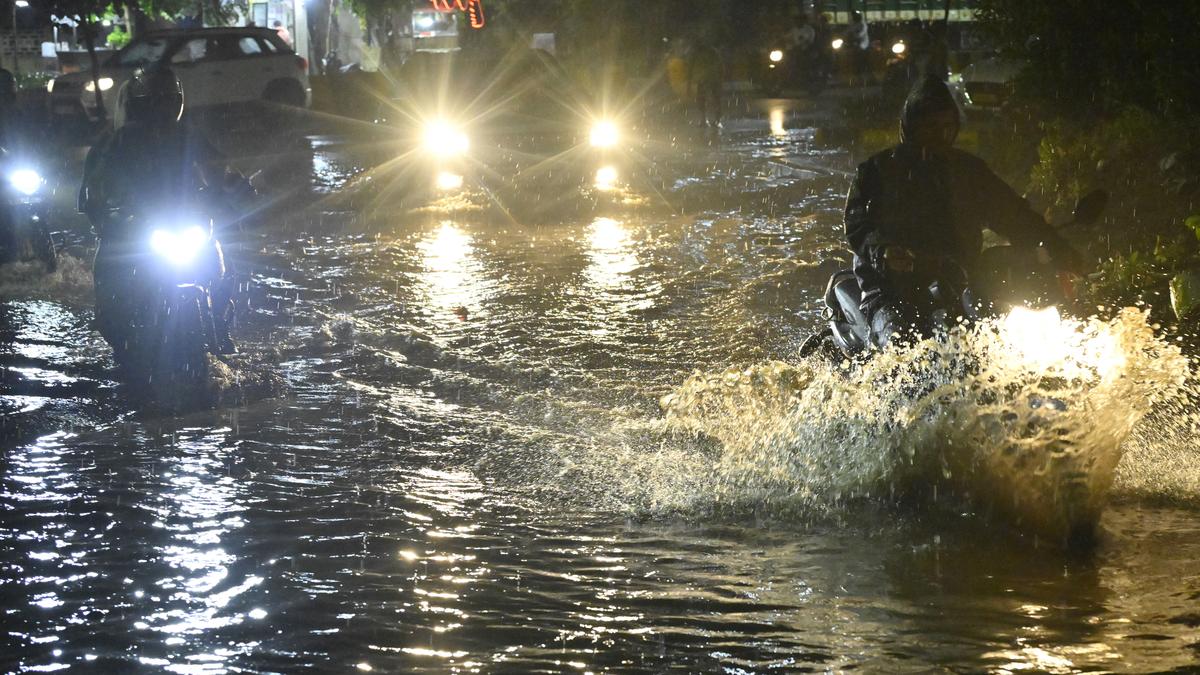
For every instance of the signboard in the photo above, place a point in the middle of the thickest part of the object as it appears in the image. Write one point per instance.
(472, 8)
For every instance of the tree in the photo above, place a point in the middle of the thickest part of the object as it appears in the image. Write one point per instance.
(1088, 57)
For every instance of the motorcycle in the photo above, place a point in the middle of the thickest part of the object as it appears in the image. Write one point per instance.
(154, 295)
(944, 295)
(24, 228)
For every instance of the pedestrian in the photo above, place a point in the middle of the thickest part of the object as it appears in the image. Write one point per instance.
(283, 32)
(706, 79)
(858, 41)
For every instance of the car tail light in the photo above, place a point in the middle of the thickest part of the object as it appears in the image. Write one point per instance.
(302, 63)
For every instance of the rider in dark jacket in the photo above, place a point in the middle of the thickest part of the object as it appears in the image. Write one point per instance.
(923, 202)
(153, 164)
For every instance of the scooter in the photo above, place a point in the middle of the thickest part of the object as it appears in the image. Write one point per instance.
(943, 295)
(24, 229)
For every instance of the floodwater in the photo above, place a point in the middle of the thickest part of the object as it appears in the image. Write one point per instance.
(469, 469)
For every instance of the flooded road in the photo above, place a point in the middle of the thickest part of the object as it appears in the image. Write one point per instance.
(469, 470)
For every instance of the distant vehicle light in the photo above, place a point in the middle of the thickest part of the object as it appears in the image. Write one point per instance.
(837, 43)
(25, 181)
(179, 247)
(106, 83)
(604, 135)
(50, 86)
(954, 78)
(899, 48)
(445, 140)
(776, 55)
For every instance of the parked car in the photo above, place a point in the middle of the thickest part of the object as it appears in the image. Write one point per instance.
(216, 66)
(985, 85)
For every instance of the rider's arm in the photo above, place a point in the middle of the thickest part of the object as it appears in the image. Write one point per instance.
(861, 221)
(863, 229)
(1010, 216)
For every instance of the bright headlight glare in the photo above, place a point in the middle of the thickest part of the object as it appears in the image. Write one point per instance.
(837, 43)
(445, 140)
(179, 246)
(899, 48)
(25, 181)
(1041, 339)
(776, 55)
(50, 86)
(106, 83)
(604, 135)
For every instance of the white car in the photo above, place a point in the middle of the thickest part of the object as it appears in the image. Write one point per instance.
(216, 66)
(985, 85)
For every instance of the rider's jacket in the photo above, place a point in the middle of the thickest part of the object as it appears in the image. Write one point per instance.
(154, 169)
(936, 205)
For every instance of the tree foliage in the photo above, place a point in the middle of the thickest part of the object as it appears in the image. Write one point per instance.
(1090, 57)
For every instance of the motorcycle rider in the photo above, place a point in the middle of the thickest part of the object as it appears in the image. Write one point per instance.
(922, 202)
(152, 161)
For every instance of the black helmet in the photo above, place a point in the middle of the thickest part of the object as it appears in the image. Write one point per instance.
(153, 96)
(928, 97)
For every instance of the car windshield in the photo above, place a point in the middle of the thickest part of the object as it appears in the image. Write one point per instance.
(459, 81)
(140, 53)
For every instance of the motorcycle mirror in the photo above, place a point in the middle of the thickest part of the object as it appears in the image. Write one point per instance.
(1090, 206)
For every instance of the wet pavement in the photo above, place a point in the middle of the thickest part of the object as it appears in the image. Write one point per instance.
(468, 470)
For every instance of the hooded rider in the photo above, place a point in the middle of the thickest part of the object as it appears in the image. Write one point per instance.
(153, 163)
(923, 202)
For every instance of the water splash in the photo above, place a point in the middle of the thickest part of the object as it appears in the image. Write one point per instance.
(71, 281)
(1026, 417)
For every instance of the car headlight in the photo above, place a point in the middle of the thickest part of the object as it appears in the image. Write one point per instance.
(955, 78)
(604, 135)
(106, 83)
(445, 140)
(776, 55)
(179, 247)
(50, 86)
(837, 43)
(25, 181)
(899, 48)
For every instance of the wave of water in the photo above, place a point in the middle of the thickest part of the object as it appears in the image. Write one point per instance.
(1027, 420)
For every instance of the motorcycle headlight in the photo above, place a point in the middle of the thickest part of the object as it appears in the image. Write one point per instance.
(604, 135)
(445, 140)
(25, 181)
(776, 55)
(899, 48)
(50, 86)
(179, 247)
(837, 43)
(106, 83)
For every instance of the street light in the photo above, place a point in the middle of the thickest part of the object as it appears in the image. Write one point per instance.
(22, 4)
